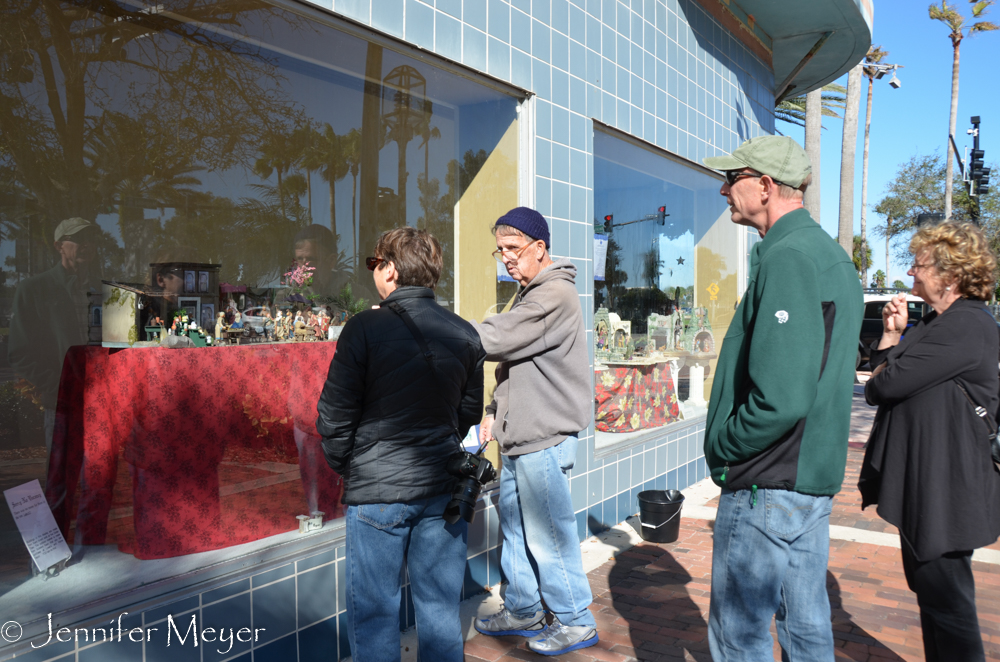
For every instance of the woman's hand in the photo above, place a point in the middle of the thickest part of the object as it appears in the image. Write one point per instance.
(894, 319)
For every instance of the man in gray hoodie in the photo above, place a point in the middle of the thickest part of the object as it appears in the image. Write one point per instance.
(542, 400)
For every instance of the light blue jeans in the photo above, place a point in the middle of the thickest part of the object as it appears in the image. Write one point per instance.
(541, 550)
(769, 559)
(379, 537)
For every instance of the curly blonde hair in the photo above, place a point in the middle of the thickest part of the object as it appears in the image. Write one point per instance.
(961, 256)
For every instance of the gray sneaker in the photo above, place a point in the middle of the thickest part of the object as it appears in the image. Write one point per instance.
(503, 623)
(559, 639)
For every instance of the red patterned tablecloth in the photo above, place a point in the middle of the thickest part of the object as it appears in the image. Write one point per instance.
(634, 396)
(166, 452)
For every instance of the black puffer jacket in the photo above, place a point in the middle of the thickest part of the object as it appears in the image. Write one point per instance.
(389, 424)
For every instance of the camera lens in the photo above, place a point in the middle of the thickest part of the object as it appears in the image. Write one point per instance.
(463, 501)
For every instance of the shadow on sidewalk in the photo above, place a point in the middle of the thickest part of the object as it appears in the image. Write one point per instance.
(649, 589)
(856, 634)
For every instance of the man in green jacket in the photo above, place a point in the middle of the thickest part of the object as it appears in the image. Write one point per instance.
(776, 434)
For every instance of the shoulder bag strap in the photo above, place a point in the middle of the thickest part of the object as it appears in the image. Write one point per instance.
(425, 349)
(415, 332)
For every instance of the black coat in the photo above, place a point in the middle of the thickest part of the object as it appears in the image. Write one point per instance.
(389, 423)
(927, 463)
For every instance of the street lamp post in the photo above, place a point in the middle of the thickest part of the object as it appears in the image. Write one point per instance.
(874, 71)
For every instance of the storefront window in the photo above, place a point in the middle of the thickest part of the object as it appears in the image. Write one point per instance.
(188, 191)
(665, 290)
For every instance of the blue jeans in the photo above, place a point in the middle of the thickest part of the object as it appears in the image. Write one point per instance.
(769, 559)
(541, 551)
(379, 538)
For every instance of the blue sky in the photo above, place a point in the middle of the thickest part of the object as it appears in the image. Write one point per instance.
(913, 119)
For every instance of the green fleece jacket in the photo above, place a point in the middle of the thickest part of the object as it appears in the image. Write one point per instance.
(781, 402)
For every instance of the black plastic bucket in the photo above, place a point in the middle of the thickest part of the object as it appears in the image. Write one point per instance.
(660, 515)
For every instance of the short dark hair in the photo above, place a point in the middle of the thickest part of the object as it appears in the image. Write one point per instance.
(416, 254)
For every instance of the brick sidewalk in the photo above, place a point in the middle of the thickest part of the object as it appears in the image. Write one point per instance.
(651, 601)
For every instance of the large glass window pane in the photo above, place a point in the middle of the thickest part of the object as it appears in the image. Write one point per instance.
(667, 291)
(182, 174)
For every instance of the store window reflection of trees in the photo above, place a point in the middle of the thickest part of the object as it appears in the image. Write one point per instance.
(215, 146)
(668, 289)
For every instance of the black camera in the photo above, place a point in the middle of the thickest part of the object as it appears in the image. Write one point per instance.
(473, 471)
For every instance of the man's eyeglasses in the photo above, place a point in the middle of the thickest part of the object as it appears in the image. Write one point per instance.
(373, 262)
(510, 254)
(733, 176)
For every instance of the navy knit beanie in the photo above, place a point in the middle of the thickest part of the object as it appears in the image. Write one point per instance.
(528, 221)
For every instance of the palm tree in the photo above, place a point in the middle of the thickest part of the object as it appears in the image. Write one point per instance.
(793, 109)
(848, 150)
(333, 166)
(277, 155)
(304, 139)
(950, 16)
(808, 111)
(875, 56)
(352, 155)
(812, 199)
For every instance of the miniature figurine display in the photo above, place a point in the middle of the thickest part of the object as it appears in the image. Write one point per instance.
(654, 379)
(220, 325)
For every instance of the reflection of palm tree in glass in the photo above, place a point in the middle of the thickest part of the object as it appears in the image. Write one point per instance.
(404, 117)
(304, 140)
(138, 167)
(277, 155)
(333, 168)
(352, 155)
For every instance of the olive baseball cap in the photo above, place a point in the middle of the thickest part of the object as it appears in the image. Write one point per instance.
(71, 226)
(779, 157)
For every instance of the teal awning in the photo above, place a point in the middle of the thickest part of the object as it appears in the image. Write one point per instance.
(795, 26)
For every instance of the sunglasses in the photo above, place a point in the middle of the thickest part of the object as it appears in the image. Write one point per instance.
(373, 262)
(733, 176)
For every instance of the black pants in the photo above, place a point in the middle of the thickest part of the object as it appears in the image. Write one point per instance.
(946, 594)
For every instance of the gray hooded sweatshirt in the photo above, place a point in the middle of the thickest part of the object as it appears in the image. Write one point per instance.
(544, 392)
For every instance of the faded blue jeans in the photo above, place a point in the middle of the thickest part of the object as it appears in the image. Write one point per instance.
(541, 556)
(379, 537)
(769, 559)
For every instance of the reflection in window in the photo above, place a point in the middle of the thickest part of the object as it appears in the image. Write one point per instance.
(216, 174)
(667, 291)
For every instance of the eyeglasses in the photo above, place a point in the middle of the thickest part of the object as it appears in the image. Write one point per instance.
(916, 265)
(733, 176)
(511, 254)
(373, 262)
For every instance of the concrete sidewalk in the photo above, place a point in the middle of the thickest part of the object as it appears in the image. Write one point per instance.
(651, 601)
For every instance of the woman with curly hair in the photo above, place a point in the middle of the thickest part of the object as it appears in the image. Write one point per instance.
(927, 464)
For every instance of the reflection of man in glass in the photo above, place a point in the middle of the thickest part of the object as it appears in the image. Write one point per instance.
(51, 314)
(317, 247)
(167, 283)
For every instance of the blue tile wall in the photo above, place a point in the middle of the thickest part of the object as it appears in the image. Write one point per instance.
(662, 70)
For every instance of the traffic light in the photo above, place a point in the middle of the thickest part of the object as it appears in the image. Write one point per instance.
(976, 163)
(979, 174)
(608, 222)
(662, 210)
(983, 183)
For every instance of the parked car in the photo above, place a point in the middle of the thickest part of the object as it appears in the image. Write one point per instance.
(254, 318)
(871, 324)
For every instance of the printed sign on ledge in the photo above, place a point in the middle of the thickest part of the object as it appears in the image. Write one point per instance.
(38, 527)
